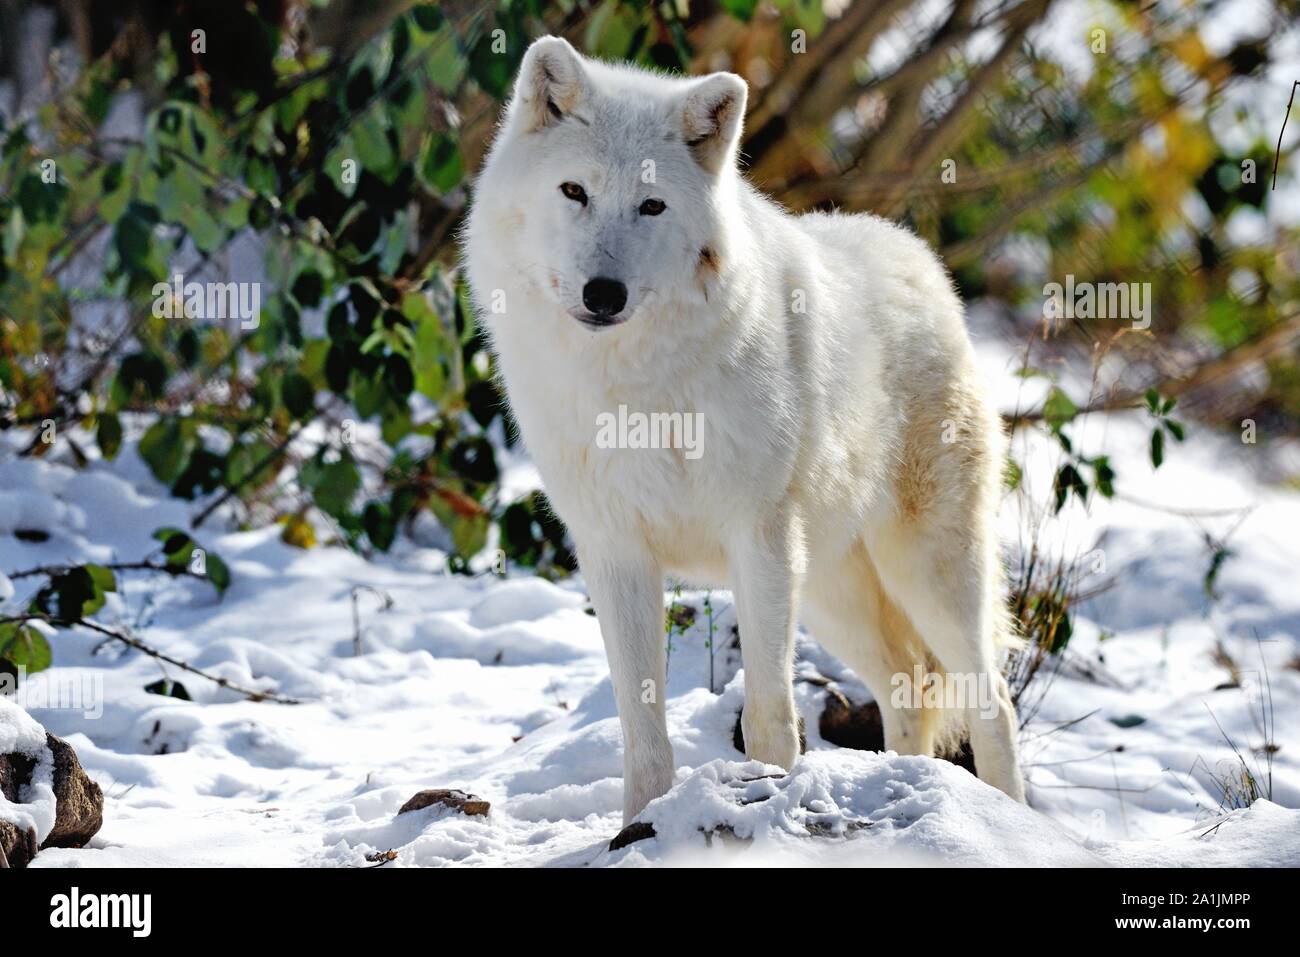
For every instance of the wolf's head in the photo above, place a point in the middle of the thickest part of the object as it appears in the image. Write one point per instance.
(612, 182)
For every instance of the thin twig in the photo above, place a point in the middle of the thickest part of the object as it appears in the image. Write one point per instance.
(152, 652)
(175, 570)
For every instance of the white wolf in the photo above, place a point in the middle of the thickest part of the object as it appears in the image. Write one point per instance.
(850, 461)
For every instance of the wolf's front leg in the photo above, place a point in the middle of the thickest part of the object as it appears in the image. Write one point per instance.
(766, 567)
(628, 594)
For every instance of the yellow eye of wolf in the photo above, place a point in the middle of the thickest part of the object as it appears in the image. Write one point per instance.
(574, 192)
(652, 207)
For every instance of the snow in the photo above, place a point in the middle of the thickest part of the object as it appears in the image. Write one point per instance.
(1121, 754)
(499, 687)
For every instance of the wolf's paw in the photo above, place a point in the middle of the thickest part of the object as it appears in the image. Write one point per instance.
(738, 735)
(778, 740)
(643, 782)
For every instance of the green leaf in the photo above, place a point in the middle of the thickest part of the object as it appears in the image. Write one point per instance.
(40, 201)
(374, 152)
(493, 69)
(1058, 409)
(614, 29)
(168, 689)
(245, 457)
(1128, 721)
(398, 377)
(75, 593)
(333, 484)
(103, 578)
(298, 395)
(447, 65)
(381, 529)
(1104, 476)
(144, 372)
(1068, 480)
(1175, 429)
(108, 434)
(1012, 475)
(177, 545)
(1157, 447)
(133, 241)
(740, 9)
(218, 572)
(334, 166)
(308, 288)
(427, 16)
(1062, 633)
(441, 166)
(25, 647)
(167, 446)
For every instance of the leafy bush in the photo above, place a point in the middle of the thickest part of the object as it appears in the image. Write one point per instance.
(324, 169)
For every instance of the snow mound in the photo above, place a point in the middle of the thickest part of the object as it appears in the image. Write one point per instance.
(861, 808)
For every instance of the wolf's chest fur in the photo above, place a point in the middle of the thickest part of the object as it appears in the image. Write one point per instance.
(628, 452)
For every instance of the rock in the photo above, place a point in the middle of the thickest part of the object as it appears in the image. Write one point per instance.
(17, 847)
(80, 809)
(79, 802)
(851, 726)
(965, 758)
(469, 804)
(15, 771)
(859, 727)
(636, 831)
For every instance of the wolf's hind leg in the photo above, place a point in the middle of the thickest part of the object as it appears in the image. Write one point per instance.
(947, 585)
(850, 615)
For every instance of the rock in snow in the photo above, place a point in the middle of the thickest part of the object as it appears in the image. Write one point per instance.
(469, 804)
(46, 799)
(79, 802)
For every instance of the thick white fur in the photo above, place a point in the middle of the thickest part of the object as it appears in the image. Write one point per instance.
(851, 462)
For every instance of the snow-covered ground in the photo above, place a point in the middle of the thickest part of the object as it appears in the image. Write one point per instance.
(500, 688)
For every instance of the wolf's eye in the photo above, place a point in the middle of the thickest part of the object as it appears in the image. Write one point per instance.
(574, 192)
(652, 207)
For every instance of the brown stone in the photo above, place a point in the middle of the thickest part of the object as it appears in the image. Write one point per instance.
(80, 809)
(17, 847)
(79, 802)
(469, 804)
(636, 831)
(859, 727)
(851, 726)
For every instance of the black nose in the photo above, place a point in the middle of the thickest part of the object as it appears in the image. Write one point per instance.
(604, 297)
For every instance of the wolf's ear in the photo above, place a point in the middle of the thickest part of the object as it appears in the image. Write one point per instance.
(712, 117)
(551, 82)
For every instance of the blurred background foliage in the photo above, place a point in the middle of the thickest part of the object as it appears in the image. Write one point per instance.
(326, 150)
